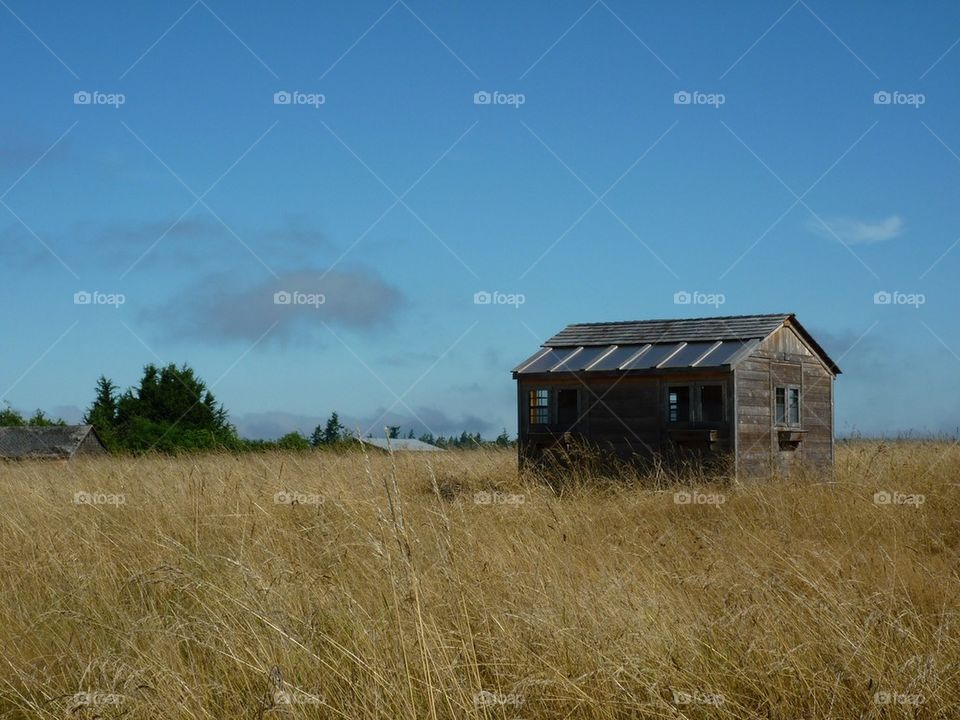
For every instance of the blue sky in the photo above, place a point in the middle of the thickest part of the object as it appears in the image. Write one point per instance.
(587, 186)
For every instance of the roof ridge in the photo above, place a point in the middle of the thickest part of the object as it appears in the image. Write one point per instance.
(687, 319)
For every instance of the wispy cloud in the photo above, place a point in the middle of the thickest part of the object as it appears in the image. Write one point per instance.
(854, 231)
(295, 304)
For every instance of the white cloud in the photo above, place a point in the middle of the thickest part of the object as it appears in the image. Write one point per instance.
(859, 232)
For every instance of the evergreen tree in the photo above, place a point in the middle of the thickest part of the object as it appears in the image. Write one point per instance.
(171, 410)
(334, 432)
(102, 414)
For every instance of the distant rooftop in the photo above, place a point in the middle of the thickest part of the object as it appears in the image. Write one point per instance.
(54, 442)
(406, 444)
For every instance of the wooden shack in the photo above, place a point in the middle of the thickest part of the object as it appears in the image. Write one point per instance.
(756, 390)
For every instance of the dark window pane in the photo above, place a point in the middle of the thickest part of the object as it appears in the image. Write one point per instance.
(678, 403)
(539, 407)
(566, 408)
(781, 401)
(794, 406)
(711, 403)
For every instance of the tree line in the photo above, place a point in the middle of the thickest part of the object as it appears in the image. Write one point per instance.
(172, 410)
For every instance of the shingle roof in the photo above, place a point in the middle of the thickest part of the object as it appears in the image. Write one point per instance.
(737, 327)
(400, 444)
(651, 345)
(57, 441)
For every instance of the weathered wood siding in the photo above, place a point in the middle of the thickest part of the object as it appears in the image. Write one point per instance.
(627, 414)
(782, 359)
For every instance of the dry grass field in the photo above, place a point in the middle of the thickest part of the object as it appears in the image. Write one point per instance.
(442, 586)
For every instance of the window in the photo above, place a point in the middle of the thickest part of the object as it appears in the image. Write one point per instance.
(539, 407)
(678, 403)
(567, 408)
(711, 403)
(695, 403)
(781, 400)
(787, 405)
(793, 405)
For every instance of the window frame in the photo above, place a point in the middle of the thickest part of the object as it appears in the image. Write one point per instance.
(547, 406)
(695, 402)
(787, 421)
(690, 396)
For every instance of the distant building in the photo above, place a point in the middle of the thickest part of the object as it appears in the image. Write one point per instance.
(57, 442)
(399, 444)
(757, 388)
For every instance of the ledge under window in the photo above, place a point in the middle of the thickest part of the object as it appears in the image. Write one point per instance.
(790, 439)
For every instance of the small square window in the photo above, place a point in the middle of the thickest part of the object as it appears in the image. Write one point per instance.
(539, 407)
(678, 403)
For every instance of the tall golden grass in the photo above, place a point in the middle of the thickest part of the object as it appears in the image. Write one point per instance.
(443, 586)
